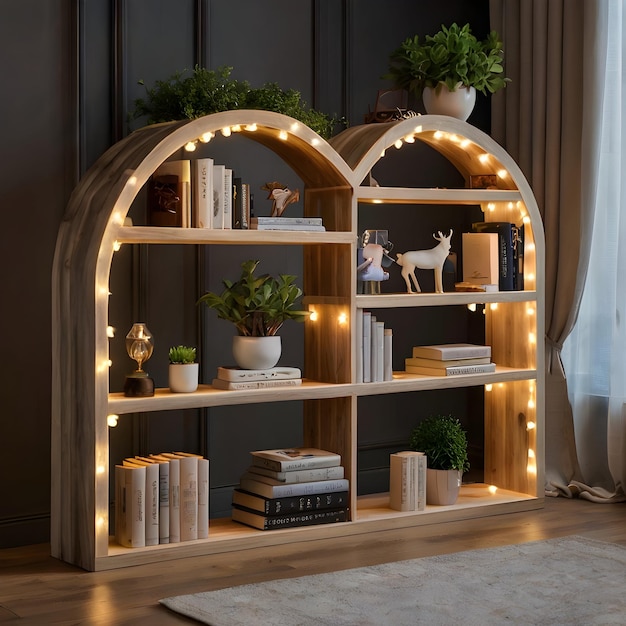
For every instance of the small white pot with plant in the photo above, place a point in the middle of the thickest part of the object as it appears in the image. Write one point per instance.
(442, 439)
(257, 306)
(183, 369)
(448, 68)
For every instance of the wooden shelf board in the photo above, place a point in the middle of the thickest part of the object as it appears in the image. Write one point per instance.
(158, 235)
(205, 396)
(373, 514)
(404, 195)
(399, 300)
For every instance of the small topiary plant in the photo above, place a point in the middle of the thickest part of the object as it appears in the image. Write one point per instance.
(182, 354)
(443, 440)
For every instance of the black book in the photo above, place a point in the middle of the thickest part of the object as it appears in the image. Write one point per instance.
(241, 204)
(506, 251)
(289, 504)
(290, 520)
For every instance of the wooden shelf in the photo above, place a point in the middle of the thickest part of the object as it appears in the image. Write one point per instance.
(404, 300)
(404, 195)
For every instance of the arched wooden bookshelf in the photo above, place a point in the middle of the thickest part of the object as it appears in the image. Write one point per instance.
(332, 173)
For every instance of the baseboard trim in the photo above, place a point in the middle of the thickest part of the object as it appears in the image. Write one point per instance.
(24, 531)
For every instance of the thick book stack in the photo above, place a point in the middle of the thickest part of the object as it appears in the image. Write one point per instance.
(287, 223)
(161, 498)
(375, 350)
(237, 378)
(407, 481)
(450, 359)
(292, 487)
(510, 252)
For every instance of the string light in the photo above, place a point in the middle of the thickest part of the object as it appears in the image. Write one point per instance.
(492, 489)
(314, 316)
(190, 146)
(226, 131)
(283, 135)
(342, 319)
(110, 332)
(398, 144)
(112, 420)
(206, 137)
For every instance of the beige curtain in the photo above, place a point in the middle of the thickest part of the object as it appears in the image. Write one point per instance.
(542, 120)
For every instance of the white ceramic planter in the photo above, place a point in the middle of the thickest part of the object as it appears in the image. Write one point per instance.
(441, 101)
(442, 486)
(256, 353)
(183, 377)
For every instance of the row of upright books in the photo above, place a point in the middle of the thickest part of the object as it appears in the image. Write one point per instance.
(450, 359)
(198, 193)
(161, 498)
(285, 488)
(375, 349)
(237, 378)
(407, 481)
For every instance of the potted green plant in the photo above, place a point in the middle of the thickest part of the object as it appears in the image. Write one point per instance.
(183, 369)
(188, 95)
(258, 306)
(442, 439)
(451, 64)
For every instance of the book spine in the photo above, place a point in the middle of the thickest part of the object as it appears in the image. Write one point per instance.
(295, 504)
(164, 502)
(152, 504)
(310, 462)
(202, 195)
(358, 349)
(388, 355)
(188, 498)
(296, 476)
(379, 329)
(296, 227)
(448, 353)
(136, 504)
(457, 370)
(291, 520)
(235, 374)
(367, 346)
(174, 500)
(314, 221)
(505, 232)
(421, 481)
(218, 383)
(296, 489)
(203, 498)
(218, 195)
(227, 221)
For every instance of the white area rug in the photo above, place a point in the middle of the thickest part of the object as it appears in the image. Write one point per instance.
(566, 581)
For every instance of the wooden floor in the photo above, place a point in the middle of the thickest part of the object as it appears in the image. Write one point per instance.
(37, 589)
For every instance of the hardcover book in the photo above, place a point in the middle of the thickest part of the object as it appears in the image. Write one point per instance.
(169, 194)
(241, 204)
(151, 498)
(287, 221)
(202, 194)
(442, 364)
(227, 221)
(295, 489)
(287, 459)
(407, 481)
(272, 477)
(506, 251)
(130, 520)
(452, 351)
(456, 370)
(290, 520)
(218, 383)
(164, 496)
(480, 258)
(219, 181)
(238, 375)
(294, 504)
(302, 227)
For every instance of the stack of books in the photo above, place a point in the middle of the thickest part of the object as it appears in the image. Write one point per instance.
(161, 498)
(407, 481)
(450, 359)
(291, 487)
(238, 378)
(287, 223)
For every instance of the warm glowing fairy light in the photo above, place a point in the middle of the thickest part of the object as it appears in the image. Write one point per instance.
(116, 246)
(530, 246)
(532, 338)
(190, 146)
(101, 522)
(488, 387)
(283, 135)
(104, 291)
(315, 141)
(118, 218)
(409, 139)
(418, 129)
(382, 154)
(100, 469)
(530, 425)
(492, 489)
(491, 206)
(438, 134)
(483, 158)
(110, 332)
(454, 138)
(342, 319)
(295, 126)
(398, 144)
(112, 420)
(530, 310)
(313, 317)
(531, 453)
(510, 205)
(526, 219)
(251, 127)
(493, 306)
(206, 137)
(530, 276)
(531, 404)
(472, 307)
(377, 201)
(236, 128)
(132, 181)
(502, 173)
(465, 143)
(226, 131)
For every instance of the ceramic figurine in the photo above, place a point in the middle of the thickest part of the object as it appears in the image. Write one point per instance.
(281, 197)
(432, 259)
(370, 259)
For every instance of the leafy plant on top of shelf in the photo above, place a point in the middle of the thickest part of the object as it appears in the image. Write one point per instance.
(443, 440)
(189, 96)
(182, 354)
(257, 305)
(453, 56)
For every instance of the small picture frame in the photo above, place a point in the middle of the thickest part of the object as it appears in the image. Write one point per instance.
(484, 181)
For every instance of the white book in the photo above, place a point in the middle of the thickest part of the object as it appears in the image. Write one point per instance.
(443, 363)
(287, 220)
(290, 459)
(218, 383)
(227, 222)
(164, 496)
(202, 193)
(174, 500)
(399, 482)
(239, 375)
(219, 175)
(452, 351)
(481, 264)
(367, 347)
(388, 355)
(203, 498)
(151, 501)
(380, 351)
(358, 333)
(302, 227)
(272, 477)
(457, 370)
(296, 489)
(130, 505)
(188, 498)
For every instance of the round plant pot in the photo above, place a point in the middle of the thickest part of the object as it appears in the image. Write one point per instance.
(256, 353)
(442, 486)
(183, 377)
(441, 101)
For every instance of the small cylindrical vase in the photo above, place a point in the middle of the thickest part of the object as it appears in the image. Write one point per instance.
(183, 377)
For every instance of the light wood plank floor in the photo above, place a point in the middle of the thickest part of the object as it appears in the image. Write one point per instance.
(37, 589)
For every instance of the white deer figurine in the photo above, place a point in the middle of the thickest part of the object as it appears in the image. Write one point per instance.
(432, 259)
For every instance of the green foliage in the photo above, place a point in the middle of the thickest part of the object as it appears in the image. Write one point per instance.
(205, 91)
(182, 354)
(443, 440)
(452, 56)
(257, 305)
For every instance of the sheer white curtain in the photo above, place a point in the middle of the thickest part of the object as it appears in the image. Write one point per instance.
(594, 354)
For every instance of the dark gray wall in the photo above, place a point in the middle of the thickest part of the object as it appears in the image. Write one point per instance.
(70, 73)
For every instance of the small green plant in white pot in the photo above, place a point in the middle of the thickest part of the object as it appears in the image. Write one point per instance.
(257, 306)
(444, 442)
(183, 369)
